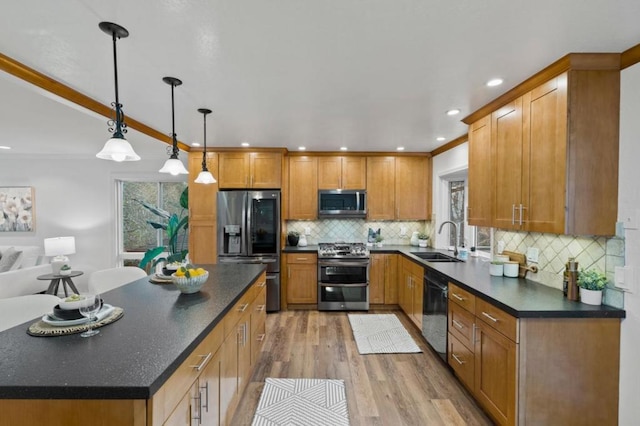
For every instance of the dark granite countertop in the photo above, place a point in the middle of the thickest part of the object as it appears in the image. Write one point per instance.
(520, 297)
(131, 358)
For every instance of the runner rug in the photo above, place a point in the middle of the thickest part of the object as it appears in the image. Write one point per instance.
(308, 402)
(381, 334)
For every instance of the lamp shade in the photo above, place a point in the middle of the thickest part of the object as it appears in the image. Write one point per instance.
(118, 149)
(205, 177)
(174, 167)
(59, 246)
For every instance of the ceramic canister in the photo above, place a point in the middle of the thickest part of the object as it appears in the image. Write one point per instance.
(511, 269)
(496, 269)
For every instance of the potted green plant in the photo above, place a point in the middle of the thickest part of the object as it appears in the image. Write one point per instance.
(379, 240)
(65, 269)
(422, 239)
(591, 283)
(293, 237)
(176, 227)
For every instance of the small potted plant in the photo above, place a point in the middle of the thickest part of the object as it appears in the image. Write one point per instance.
(293, 237)
(591, 283)
(379, 240)
(65, 269)
(422, 239)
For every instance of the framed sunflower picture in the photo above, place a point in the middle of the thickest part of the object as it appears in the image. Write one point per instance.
(17, 209)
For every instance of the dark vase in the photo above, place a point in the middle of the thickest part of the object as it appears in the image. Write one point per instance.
(293, 240)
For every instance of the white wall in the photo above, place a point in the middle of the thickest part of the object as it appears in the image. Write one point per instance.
(74, 197)
(629, 198)
(448, 162)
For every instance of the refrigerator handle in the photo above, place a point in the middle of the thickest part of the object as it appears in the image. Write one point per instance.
(247, 214)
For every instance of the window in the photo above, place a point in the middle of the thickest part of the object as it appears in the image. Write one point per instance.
(135, 235)
(455, 186)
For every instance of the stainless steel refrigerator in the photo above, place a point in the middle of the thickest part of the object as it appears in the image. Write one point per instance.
(249, 232)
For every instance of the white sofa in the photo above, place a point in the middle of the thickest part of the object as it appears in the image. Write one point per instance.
(24, 280)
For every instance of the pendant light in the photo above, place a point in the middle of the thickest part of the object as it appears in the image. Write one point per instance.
(117, 148)
(173, 165)
(205, 175)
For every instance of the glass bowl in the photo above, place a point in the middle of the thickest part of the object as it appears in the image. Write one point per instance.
(191, 284)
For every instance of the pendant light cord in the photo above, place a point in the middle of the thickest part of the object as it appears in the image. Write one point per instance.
(204, 153)
(173, 126)
(120, 127)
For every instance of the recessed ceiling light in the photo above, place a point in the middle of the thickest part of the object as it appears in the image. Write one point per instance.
(454, 111)
(400, 148)
(4, 147)
(245, 144)
(494, 82)
(440, 138)
(302, 148)
(343, 148)
(195, 144)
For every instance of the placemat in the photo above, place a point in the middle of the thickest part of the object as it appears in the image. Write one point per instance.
(42, 329)
(160, 279)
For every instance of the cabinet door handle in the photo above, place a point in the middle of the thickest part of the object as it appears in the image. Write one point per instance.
(261, 337)
(260, 308)
(513, 214)
(198, 415)
(262, 284)
(490, 317)
(473, 333)
(457, 324)
(302, 258)
(455, 296)
(521, 208)
(288, 271)
(457, 359)
(243, 307)
(206, 397)
(204, 362)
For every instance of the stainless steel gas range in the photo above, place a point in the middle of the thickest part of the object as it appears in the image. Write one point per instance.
(343, 277)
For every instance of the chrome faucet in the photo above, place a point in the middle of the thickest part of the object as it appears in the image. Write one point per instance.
(455, 239)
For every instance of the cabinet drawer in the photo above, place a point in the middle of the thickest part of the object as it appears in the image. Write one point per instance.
(259, 310)
(462, 297)
(183, 378)
(302, 258)
(461, 324)
(233, 316)
(497, 319)
(462, 361)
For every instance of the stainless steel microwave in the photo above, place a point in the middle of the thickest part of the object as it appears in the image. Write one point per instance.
(337, 203)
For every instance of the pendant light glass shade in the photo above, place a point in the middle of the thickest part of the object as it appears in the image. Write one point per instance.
(205, 175)
(117, 148)
(173, 165)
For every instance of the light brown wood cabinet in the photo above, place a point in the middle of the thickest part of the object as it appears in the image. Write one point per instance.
(347, 172)
(202, 211)
(302, 278)
(383, 281)
(399, 188)
(480, 207)
(303, 187)
(411, 289)
(554, 151)
(534, 370)
(250, 170)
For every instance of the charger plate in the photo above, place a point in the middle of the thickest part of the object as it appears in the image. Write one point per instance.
(42, 329)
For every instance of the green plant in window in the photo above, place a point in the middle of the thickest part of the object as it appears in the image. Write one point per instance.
(176, 227)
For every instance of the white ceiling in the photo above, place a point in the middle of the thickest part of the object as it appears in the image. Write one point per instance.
(367, 74)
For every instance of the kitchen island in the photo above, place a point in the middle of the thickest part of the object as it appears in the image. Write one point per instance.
(119, 375)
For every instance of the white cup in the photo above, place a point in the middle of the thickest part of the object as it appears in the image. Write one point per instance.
(496, 269)
(511, 269)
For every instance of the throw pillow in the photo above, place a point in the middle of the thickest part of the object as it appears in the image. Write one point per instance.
(10, 257)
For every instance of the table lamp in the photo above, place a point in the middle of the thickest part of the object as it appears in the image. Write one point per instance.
(59, 247)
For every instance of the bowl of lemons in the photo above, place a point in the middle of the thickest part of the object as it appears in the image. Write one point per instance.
(189, 279)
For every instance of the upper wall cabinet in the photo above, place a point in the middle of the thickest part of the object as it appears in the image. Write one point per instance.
(342, 172)
(250, 170)
(554, 153)
(303, 188)
(398, 188)
(480, 206)
(202, 210)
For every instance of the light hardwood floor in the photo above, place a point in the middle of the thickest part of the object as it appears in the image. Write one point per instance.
(385, 389)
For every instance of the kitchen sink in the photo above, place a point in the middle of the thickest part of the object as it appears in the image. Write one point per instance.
(434, 256)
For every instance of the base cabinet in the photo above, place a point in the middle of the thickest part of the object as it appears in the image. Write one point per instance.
(534, 371)
(302, 278)
(383, 281)
(411, 290)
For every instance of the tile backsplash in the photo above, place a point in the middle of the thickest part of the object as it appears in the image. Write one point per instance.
(357, 230)
(600, 253)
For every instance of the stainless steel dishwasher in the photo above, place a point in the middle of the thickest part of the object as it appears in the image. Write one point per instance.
(434, 311)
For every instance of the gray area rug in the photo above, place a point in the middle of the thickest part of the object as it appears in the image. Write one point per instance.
(381, 334)
(302, 402)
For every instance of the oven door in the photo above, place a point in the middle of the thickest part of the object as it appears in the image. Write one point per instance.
(343, 297)
(339, 271)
